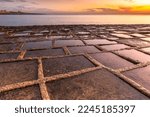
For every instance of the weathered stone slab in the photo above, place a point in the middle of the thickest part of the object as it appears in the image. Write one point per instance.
(122, 35)
(99, 42)
(111, 60)
(45, 52)
(7, 47)
(146, 39)
(135, 55)
(16, 72)
(137, 35)
(114, 47)
(27, 93)
(62, 43)
(37, 45)
(8, 56)
(65, 65)
(96, 85)
(140, 75)
(133, 42)
(146, 49)
(83, 49)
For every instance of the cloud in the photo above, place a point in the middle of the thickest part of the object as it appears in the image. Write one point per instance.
(102, 11)
(119, 10)
(60, 7)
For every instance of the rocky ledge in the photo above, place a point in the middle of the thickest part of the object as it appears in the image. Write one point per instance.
(75, 62)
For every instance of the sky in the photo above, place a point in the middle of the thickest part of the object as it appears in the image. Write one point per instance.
(78, 6)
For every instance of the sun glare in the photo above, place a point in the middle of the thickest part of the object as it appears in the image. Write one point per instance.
(146, 2)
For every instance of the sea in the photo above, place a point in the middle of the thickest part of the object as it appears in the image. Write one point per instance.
(28, 20)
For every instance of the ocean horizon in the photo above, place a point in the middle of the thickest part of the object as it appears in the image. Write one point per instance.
(29, 20)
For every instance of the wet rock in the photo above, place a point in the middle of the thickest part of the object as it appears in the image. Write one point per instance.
(65, 64)
(45, 52)
(111, 60)
(83, 49)
(96, 85)
(140, 75)
(135, 55)
(99, 42)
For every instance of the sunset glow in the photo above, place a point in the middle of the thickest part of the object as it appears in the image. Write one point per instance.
(78, 6)
(142, 2)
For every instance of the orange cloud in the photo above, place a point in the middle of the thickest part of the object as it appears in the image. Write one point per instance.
(120, 10)
(78, 6)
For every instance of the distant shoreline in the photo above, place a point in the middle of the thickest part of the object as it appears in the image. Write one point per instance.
(5, 12)
(68, 14)
(22, 14)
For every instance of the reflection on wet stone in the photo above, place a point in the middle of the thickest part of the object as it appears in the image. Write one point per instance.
(37, 45)
(99, 42)
(95, 85)
(135, 55)
(146, 50)
(111, 60)
(137, 35)
(146, 39)
(61, 43)
(122, 35)
(83, 49)
(134, 42)
(114, 47)
(140, 75)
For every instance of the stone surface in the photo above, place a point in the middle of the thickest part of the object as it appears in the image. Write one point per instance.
(114, 47)
(46, 52)
(134, 42)
(120, 32)
(146, 39)
(135, 55)
(83, 37)
(65, 64)
(99, 42)
(146, 49)
(20, 34)
(113, 38)
(83, 33)
(37, 45)
(83, 49)
(61, 37)
(8, 56)
(140, 75)
(122, 35)
(96, 85)
(16, 72)
(137, 35)
(27, 93)
(7, 47)
(62, 43)
(68, 56)
(111, 60)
